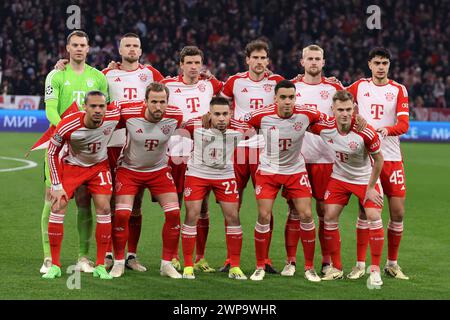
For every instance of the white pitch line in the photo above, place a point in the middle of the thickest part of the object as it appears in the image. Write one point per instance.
(29, 164)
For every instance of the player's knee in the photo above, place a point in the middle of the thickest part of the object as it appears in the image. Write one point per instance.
(397, 214)
(103, 210)
(264, 216)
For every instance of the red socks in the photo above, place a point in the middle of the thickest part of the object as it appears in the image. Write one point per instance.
(262, 235)
(55, 236)
(171, 230)
(308, 236)
(291, 238)
(376, 240)
(103, 236)
(234, 244)
(134, 227)
(120, 230)
(362, 239)
(333, 243)
(395, 232)
(202, 236)
(188, 236)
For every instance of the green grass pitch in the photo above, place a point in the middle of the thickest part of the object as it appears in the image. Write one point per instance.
(424, 252)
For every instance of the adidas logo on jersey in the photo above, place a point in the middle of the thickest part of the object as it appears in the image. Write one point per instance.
(178, 90)
(273, 128)
(139, 131)
(366, 94)
(244, 90)
(117, 79)
(330, 141)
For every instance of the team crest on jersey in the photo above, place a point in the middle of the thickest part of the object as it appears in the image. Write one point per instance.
(202, 87)
(389, 96)
(57, 138)
(166, 129)
(90, 83)
(107, 131)
(258, 189)
(267, 87)
(49, 90)
(327, 194)
(298, 126)
(353, 145)
(143, 77)
(187, 191)
(247, 117)
(324, 94)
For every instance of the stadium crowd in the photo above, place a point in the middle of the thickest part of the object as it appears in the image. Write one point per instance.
(32, 38)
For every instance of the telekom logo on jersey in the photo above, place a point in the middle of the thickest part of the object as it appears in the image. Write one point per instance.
(377, 111)
(193, 104)
(256, 103)
(151, 144)
(130, 93)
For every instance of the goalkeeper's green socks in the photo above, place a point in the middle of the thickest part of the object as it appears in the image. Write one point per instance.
(44, 228)
(85, 226)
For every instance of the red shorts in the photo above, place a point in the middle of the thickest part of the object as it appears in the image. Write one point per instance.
(319, 175)
(294, 185)
(224, 189)
(97, 178)
(113, 156)
(339, 192)
(178, 166)
(130, 182)
(245, 165)
(393, 179)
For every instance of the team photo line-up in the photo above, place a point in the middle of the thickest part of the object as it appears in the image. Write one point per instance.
(125, 129)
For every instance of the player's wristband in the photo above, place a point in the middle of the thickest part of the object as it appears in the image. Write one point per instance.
(57, 187)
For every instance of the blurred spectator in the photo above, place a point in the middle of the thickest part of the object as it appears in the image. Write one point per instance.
(33, 32)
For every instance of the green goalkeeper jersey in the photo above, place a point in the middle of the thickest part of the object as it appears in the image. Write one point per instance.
(63, 87)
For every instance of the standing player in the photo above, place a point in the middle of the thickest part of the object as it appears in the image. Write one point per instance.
(192, 94)
(211, 167)
(87, 134)
(313, 90)
(127, 83)
(353, 173)
(62, 88)
(384, 103)
(250, 91)
(281, 166)
(143, 164)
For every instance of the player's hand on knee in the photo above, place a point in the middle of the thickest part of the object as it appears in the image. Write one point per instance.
(373, 195)
(361, 123)
(61, 64)
(58, 199)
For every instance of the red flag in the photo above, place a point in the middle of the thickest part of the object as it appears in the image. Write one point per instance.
(43, 141)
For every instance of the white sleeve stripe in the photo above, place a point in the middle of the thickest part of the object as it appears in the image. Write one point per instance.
(402, 114)
(63, 130)
(66, 129)
(368, 133)
(52, 165)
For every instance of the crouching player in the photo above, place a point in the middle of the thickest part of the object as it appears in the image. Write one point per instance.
(211, 167)
(143, 164)
(87, 134)
(353, 173)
